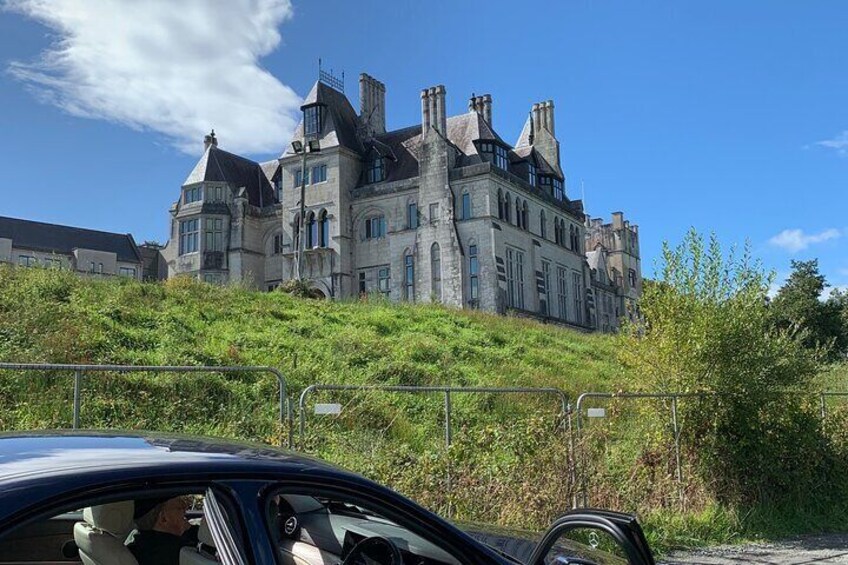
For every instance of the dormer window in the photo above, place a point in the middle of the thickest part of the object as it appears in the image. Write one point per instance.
(558, 193)
(531, 174)
(376, 170)
(495, 154)
(312, 120)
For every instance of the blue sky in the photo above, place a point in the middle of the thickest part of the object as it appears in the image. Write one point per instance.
(721, 115)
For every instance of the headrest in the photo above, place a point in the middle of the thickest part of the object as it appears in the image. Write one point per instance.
(115, 517)
(204, 536)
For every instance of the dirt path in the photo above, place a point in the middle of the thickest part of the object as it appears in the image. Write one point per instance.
(823, 549)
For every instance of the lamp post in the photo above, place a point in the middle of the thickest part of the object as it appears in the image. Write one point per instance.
(302, 148)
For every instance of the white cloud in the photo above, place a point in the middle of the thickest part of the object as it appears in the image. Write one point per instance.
(796, 240)
(838, 143)
(176, 68)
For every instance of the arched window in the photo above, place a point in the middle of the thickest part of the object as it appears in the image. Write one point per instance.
(277, 243)
(507, 210)
(571, 238)
(559, 231)
(517, 211)
(500, 205)
(408, 276)
(543, 225)
(324, 229)
(525, 218)
(296, 232)
(473, 276)
(436, 271)
(311, 231)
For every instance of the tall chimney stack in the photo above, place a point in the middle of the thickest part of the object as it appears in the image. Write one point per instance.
(433, 110)
(372, 103)
(482, 105)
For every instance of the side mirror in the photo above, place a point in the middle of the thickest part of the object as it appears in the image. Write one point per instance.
(593, 537)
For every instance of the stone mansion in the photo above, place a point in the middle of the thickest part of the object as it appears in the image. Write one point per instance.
(443, 211)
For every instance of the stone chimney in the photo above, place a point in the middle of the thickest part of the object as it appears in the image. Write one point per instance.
(209, 139)
(482, 105)
(372, 103)
(543, 132)
(433, 114)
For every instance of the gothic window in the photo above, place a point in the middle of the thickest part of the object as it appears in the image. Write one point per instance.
(631, 278)
(375, 227)
(189, 235)
(473, 276)
(518, 212)
(412, 215)
(500, 205)
(543, 225)
(577, 289)
(436, 272)
(312, 120)
(571, 238)
(507, 212)
(466, 206)
(531, 174)
(525, 216)
(408, 276)
(278, 243)
(311, 231)
(324, 229)
(376, 170)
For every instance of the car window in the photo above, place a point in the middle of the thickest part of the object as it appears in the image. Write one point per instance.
(328, 529)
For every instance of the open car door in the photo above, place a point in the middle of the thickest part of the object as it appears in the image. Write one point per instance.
(593, 537)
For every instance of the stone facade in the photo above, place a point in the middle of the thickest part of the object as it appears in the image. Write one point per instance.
(441, 211)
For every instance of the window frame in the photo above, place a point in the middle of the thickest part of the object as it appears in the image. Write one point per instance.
(189, 237)
(312, 120)
(376, 171)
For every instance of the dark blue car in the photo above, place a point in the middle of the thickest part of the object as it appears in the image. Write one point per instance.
(98, 498)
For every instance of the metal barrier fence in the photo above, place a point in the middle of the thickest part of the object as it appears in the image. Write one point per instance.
(673, 397)
(286, 415)
(564, 421)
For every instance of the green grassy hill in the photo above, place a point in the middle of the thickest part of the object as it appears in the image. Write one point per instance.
(509, 462)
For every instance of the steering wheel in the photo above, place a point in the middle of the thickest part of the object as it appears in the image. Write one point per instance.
(376, 548)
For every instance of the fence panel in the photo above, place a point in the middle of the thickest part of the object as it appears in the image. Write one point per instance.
(457, 450)
(231, 401)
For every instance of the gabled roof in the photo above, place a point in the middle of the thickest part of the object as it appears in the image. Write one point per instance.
(270, 168)
(217, 165)
(54, 238)
(340, 121)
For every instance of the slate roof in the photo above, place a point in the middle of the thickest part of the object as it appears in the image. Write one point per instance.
(340, 121)
(218, 165)
(62, 240)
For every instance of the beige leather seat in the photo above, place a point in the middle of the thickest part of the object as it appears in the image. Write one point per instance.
(201, 554)
(100, 538)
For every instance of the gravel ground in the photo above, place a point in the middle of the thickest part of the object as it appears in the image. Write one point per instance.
(831, 548)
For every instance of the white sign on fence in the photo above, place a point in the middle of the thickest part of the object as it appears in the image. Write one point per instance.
(328, 408)
(597, 412)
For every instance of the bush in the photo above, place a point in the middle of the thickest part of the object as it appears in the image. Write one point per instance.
(707, 329)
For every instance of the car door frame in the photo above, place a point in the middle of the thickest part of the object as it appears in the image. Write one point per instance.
(624, 528)
(392, 505)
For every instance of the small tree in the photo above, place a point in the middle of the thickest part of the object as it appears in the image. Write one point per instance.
(707, 328)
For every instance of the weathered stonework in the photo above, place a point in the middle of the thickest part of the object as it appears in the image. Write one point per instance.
(444, 211)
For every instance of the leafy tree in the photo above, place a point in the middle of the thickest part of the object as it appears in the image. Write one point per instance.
(708, 329)
(798, 307)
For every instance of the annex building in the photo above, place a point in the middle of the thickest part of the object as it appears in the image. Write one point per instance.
(441, 211)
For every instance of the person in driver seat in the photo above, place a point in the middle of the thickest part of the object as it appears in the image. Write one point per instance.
(162, 531)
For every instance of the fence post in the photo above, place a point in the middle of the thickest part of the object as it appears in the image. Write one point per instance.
(823, 408)
(677, 451)
(448, 486)
(77, 395)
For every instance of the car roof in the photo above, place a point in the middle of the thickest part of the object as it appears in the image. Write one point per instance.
(26, 456)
